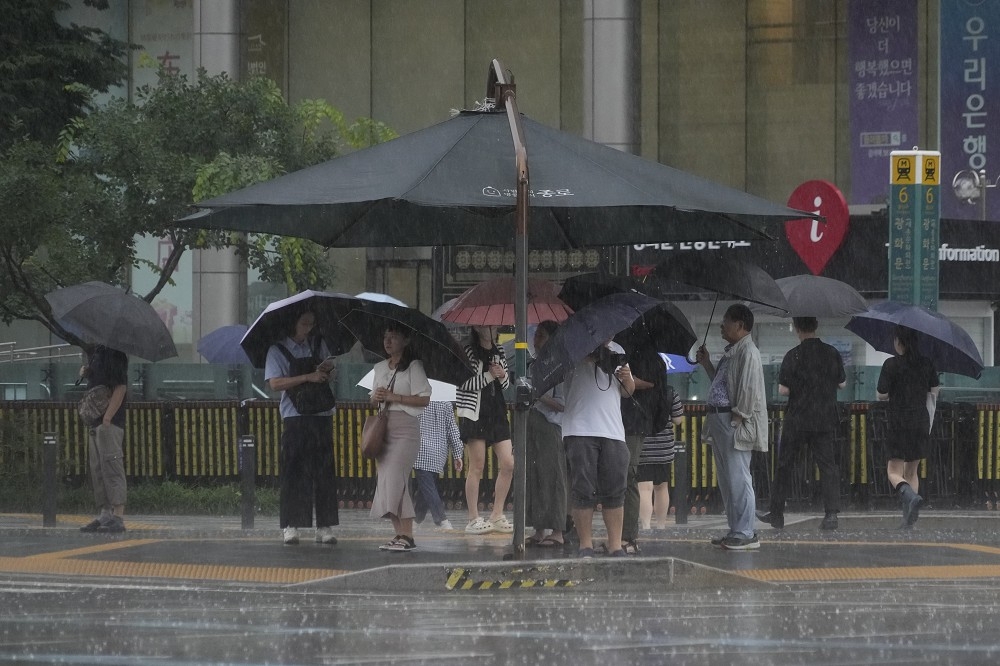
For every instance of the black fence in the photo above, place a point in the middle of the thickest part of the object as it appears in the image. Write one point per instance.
(199, 442)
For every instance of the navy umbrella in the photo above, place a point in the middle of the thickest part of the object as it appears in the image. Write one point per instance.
(583, 332)
(222, 346)
(938, 338)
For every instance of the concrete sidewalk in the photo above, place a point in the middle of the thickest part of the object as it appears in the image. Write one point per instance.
(868, 546)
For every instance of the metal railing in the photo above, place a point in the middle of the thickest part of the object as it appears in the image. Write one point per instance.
(9, 353)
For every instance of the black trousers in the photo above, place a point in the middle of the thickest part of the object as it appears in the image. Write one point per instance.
(824, 452)
(308, 475)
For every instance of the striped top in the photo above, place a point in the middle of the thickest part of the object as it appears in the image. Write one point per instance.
(658, 449)
(468, 395)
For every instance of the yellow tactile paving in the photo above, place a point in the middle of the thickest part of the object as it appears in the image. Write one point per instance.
(64, 562)
(46, 565)
(943, 572)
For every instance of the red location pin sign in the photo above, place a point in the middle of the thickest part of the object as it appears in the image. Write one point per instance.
(816, 241)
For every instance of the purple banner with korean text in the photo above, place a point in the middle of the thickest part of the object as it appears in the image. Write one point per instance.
(970, 108)
(882, 55)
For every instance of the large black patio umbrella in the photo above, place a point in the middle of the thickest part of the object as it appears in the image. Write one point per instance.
(465, 181)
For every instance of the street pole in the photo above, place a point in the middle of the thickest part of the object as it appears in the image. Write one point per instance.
(500, 86)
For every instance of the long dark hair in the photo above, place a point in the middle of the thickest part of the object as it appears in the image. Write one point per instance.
(907, 338)
(406, 332)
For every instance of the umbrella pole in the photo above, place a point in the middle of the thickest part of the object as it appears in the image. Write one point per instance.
(710, 318)
(502, 89)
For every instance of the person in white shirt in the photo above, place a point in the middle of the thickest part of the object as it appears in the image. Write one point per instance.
(595, 443)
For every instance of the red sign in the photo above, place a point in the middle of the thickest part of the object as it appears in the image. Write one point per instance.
(813, 240)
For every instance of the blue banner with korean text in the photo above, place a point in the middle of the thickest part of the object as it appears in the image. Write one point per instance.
(882, 55)
(970, 107)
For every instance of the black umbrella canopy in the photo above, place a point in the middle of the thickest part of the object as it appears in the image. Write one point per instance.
(456, 182)
(723, 275)
(277, 322)
(430, 340)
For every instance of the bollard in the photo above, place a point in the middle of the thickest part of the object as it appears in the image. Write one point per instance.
(682, 478)
(49, 490)
(248, 479)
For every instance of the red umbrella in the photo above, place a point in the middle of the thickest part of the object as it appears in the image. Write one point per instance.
(491, 303)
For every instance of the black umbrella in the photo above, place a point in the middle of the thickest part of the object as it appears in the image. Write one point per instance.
(101, 314)
(721, 274)
(584, 331)
(431, 342)
(665, 327)
(581, 290)
(939, 339)
(455, 183)
(222, 346)
(816, 296)
(278, 319)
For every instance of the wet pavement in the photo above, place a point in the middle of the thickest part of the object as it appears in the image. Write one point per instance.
(201, 590)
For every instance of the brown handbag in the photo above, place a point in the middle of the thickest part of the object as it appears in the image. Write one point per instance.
(373, 432)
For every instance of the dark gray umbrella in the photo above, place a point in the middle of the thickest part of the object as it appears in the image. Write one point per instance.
(101, 314)
(278, 319)
(816, 296)
(939, 338)
(720, 274)
(454, 183)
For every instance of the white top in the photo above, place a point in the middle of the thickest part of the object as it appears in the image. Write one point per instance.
(412, 381)
(593, 403)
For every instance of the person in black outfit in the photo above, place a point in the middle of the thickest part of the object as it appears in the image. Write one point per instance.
(908, 381)
(810, 375)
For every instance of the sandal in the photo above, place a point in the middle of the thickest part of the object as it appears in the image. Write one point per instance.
(401, 544)
(631, 547)
(549, 542)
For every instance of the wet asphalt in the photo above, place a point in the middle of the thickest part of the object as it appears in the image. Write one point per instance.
(203, 590)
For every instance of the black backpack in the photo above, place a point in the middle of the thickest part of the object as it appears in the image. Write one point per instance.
(308, 397)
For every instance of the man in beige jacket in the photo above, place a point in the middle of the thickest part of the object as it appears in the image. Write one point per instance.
(737, 423)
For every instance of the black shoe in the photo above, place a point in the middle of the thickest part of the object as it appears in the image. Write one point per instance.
(911, 503)
(92, 526)
(717, 541)
(114, 526)
(829, 522)
(775, 520)
(736, 542)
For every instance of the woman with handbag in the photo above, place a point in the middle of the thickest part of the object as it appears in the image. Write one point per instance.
(402, 390)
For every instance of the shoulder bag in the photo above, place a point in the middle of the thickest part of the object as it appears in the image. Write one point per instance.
(94, 403)
(373, 432)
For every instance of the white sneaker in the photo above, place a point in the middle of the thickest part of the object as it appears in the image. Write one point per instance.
(290, 535)
(444, 525)
(479, 526)
(325, 535)
(503, 525)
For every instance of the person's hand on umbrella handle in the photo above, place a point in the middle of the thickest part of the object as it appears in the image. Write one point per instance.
(701, 356)
(380, 394)
(497, 371)
(318, 377)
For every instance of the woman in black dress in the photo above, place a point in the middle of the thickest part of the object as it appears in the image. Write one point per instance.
(909, 382)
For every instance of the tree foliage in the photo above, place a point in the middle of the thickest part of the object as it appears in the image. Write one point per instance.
(133, 168)
(48, 71)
